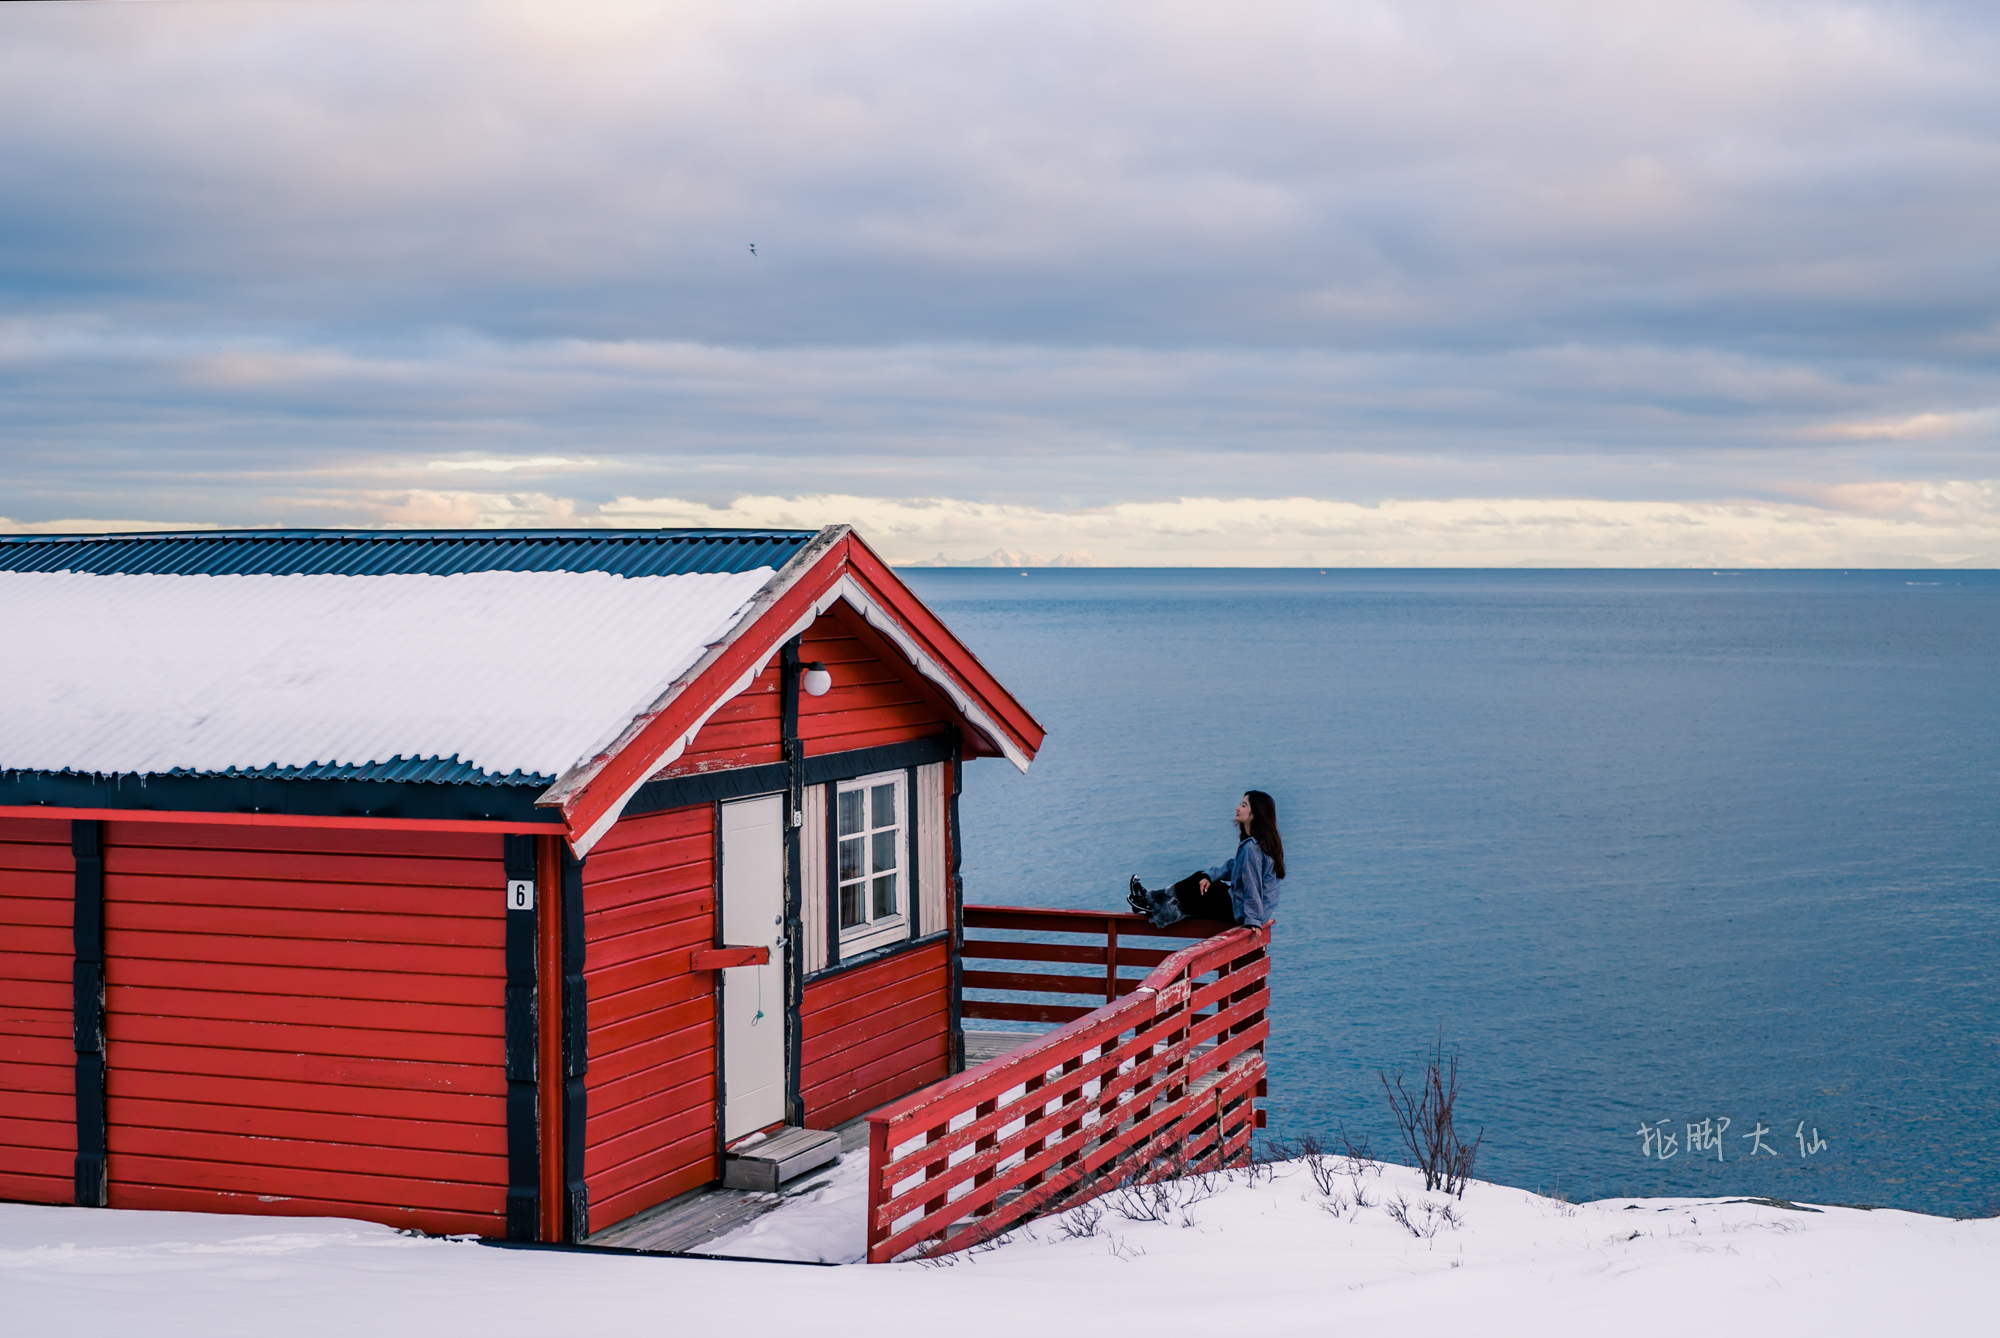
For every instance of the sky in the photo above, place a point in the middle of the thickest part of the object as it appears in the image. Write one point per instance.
(1499, 282)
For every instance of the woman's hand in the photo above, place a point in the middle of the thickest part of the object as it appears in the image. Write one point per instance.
(1204, 884)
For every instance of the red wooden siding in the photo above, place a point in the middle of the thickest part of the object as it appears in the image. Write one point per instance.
(874, 1033)
(648, 900)
(307, 1022)
(743, 733)
(877, 697)
(37, 1057)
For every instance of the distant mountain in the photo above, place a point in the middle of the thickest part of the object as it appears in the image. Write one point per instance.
(1011, 557)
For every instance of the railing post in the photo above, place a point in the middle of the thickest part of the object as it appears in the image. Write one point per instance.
(937, 1170)
(980, 1112)
(878, 1190)
(1142, 1054)
(1111, 960)
(1037, 1112)
(1071, 1065)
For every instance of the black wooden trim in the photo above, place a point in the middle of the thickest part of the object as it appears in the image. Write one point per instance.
(431, 801)
(868, 761)
(524, 1195)
(954, 891)
(794, 964)
(576, 1052)
(93, 1182)
(93, 1164)
(706, 787)
(795, 982)
(874, 955)
(710, 787)
(789, 745)
(832, 876)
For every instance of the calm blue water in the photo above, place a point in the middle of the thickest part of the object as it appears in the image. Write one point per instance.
(1647, 846)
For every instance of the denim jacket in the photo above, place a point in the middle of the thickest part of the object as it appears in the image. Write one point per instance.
(1254, 884)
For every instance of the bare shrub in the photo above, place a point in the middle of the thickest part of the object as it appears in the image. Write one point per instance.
(1082, 1221)
(1319, 1165)
(1120, 1250)
(1424, 1119)
(1264, 1162)
(1558, 1199)
(1165, 1192)
(1423, 1221)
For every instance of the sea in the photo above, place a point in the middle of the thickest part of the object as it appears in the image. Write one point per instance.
(1696, 872)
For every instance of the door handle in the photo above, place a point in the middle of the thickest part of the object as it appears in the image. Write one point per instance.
(719, 959)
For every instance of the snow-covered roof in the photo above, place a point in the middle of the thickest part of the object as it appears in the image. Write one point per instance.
(247, 653)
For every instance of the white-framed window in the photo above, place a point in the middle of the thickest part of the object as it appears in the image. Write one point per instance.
(872, 859)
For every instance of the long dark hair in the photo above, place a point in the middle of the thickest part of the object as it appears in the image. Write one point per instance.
(1263, 828)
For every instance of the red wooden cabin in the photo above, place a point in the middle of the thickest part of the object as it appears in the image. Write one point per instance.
(468, 881)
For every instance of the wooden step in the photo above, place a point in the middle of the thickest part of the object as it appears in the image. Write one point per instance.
(788, 1153)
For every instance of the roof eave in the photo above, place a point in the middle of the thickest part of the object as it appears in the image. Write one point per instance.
(595, 792)
(572, 784)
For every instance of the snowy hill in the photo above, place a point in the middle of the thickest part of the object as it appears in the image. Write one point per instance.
(1275, 1257)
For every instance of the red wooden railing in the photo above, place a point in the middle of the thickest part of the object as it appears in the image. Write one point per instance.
(1094, 954)
(1159, 1078)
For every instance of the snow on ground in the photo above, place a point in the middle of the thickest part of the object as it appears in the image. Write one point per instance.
(1277, 1257)
(823, 1221)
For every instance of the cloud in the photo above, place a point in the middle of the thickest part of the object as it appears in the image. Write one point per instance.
(1953, 525)
(1916, 525)
(535, 465)
(1007, 423)
(78, 525)
(276, 264)
(1914, 427)
(1363, 175)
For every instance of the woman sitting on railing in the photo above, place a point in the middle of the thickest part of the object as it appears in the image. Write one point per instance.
(1242, 890)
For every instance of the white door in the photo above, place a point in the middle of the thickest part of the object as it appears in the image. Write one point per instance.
(753, 997)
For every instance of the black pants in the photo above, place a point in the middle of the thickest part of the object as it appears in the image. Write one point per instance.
(1213, 904)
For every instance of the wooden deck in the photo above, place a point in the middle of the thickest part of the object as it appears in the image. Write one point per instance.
(684, 1225)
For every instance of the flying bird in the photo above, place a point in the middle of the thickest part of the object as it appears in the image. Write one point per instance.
(753, 248)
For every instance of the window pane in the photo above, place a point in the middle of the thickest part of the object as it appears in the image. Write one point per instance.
(852, 818)
(850, 905)
(885, 851)
(885, 806)
(885, 896)
(850, 860)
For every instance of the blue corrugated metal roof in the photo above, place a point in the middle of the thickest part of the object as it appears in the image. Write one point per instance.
(402, 552)
(405, 770)
(434, 770)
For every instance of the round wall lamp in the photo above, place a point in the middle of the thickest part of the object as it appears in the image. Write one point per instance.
(816, 680)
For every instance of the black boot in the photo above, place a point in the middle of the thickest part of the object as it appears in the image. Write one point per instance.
(1139, 898)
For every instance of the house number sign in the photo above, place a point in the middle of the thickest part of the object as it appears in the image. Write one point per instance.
(520, 894)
